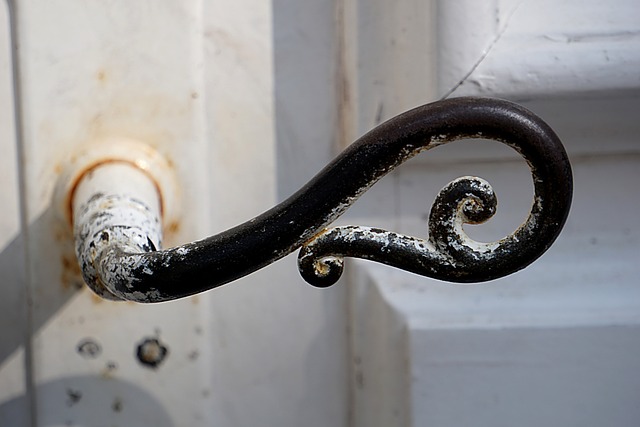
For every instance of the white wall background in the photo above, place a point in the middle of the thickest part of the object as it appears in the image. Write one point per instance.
(553, 344)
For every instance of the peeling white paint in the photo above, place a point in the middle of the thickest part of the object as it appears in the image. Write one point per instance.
(116, 209)
(466, 200)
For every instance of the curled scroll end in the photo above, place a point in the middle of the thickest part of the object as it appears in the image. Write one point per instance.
(466, 200)
(449, 255)
(320, 272)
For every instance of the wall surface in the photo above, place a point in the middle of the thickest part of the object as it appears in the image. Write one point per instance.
(196, 81)
(552, 344)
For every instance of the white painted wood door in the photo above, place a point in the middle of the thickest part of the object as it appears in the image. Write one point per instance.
(554, 344)
(195, 79)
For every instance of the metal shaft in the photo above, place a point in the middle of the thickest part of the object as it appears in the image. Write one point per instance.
(117, 214)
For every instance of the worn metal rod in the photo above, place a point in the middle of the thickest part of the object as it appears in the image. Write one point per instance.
(135, 269)
(116, 207)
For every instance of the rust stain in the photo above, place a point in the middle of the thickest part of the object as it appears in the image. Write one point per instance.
(170, 163)
(138, 113)
(173, 227)
(89, 169)
(96, 299)
(62, 234)
(151, 352)
(101, 76)
(71, 277)
(145, 114)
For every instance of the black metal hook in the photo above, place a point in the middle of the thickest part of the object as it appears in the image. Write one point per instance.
(153, 276)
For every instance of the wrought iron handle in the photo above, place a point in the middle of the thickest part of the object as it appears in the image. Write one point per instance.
(117, 239)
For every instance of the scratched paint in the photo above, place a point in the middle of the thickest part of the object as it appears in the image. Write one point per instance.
(112, 218)
(118, 232)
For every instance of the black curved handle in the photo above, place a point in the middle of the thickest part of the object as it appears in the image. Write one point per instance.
(300, 221)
